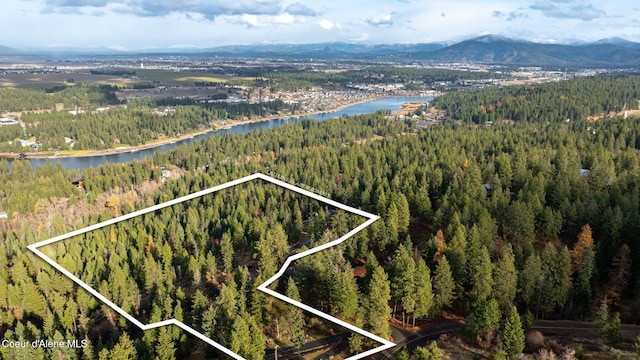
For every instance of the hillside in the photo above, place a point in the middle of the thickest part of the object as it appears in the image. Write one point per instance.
(500, 50)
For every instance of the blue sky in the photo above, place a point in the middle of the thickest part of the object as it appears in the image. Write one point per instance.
(141, 24)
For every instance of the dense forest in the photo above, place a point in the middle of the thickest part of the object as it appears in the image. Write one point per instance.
(200, 262)
(81, 96)
(533, 218)
(551, 102)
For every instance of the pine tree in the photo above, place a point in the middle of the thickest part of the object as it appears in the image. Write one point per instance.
(87, 351)
(602, 317)
(613, 335)
(562, 276)
(403, 354)
(227, 252)
(403, 280)
(443, 285)
(482, 280)
(124, 349)
(296, 317)
(227, 300)
(209, 321)
(505, 279)
(513, 335)
(297, 223)
(583, 291)
(404, 216)
(257, 345)
(165, 349)
(484, 318)
(424, 290)
(434, 351)
(392, 224)
(377, 308)
(619, 273)
(357, 341)
(529, 279)
(240, 336)
(431, 352)
(608, 326)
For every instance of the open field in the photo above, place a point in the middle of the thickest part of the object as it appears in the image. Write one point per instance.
(184, 77)
(47, 80)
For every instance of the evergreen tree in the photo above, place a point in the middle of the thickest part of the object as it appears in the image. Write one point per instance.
(530, 280)
(404, 217)
(124, 349)
(443, 285)
(583, 291)
(403, 354)
(424, 290)
(227, 252)
(296, 317)
(613, 335)
(403, 286)
(505, 279)
(513, 335)
(484, 318)
(431, 352)
(482, 280)
(602, 317)
(165, 348)
(240, 336)
(257, 345)
(377, 308)
(392, 223)
(619, 273)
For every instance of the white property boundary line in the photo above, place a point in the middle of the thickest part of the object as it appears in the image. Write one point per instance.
(263, 287)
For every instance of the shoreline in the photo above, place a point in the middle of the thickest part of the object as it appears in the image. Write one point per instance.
(167, 141)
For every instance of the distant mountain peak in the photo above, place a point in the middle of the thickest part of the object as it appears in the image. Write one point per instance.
(492, 38)
(7, 50)
(496, 49)
(612, 40)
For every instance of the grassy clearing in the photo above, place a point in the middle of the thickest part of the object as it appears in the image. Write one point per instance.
(182, 77)
(142, 76)
(118, 82)
(202, 78)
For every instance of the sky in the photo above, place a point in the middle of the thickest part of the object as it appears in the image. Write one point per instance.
(149, 24)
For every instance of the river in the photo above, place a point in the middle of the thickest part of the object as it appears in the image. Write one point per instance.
(391, 103)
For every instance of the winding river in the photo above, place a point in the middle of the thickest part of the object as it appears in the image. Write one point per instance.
(392, 103)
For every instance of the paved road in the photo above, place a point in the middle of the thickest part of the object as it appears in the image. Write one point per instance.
(568, 326)
(292, 352)
(411, 340)
(426, 335)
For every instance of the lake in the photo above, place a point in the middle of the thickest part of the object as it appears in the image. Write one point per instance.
(392, 103)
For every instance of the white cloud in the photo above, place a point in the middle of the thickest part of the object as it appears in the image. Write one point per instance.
(260, 21)
(384, 20)
(206, 23)
(210, 9)
(554, 9)
(300, 9)
(326, 24)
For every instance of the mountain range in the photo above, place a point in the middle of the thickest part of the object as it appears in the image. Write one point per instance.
(492, 49)
(500, 50)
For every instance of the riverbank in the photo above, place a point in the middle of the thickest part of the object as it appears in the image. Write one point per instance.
(167, 141)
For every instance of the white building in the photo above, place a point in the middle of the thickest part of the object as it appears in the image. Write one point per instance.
(7, 121)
